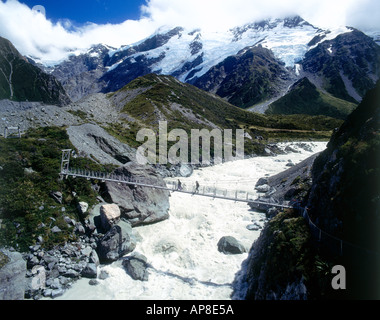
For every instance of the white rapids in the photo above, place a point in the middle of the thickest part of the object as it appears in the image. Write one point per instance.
(182, 251)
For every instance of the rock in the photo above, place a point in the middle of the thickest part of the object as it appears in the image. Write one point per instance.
(254, 227)
(32, 261)
(64, 281)
(103, 275)
(12, 276)
(261, 182)
(93, 282)
(229, 245)
(91, 271)
(289, 149)
(185, 170)
(86, 251)
(118, 242)
(82, 207)
(305, 146)
(35, 248)
(136, 266)
(56, 229)
(54, 284)
(263, 188)
(29, 171)
(94, 258)
(79, 229)
(69, 221)
(109, 215)
(57, 196)
(93, 141)
(71, 274)
(272, 212)
(50, 261)
(140, 206)
(47, 293)
(263, 206)
(39, 278)
(57, 293)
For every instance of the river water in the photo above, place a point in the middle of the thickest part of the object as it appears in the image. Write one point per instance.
(182, 251)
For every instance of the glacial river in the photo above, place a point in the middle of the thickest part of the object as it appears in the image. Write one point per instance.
(182, 251)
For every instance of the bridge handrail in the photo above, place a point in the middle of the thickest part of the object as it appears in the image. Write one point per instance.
(323, 236)
(214, 193)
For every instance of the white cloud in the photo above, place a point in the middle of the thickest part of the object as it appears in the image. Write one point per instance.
(34, 35)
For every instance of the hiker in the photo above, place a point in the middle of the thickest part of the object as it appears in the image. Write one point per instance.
(196, 187)
(179, 185)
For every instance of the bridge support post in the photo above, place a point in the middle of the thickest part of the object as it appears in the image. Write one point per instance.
(65, 162)
(7, 129)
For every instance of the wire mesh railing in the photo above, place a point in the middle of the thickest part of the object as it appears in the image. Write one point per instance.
(333, 244)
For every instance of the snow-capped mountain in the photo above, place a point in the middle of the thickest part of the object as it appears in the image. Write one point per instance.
(201, 58)
(189, 54)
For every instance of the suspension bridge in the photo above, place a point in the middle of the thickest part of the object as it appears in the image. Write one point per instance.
(172, 186)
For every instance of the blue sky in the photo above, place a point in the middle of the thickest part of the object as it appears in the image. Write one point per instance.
(95, 11)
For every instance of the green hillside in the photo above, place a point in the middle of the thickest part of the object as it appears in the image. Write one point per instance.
(152, 98)
(305, 98)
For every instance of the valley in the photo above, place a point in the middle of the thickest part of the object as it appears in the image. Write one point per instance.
(308, 102)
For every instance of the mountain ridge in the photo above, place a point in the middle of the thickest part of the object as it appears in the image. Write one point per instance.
(22, 81)
(189, 54)
(250, 66)
(194, 56)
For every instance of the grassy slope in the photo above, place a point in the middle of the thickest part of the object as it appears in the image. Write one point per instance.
(194, 108)
(24, 194)
(305, 98)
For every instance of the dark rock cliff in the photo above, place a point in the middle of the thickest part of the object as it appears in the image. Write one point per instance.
(288, 262)
(22, 81)
(347, 66)
(250, 77)
(345, 197)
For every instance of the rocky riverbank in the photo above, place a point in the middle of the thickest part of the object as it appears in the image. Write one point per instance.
(100, 235)
(103, 238)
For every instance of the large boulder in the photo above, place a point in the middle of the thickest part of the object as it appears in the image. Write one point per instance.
(136, 266)
(12, 276)
(109, 215)
(90, 271)
(118, 242)
(229, 245)
(139, 205)
(93, 141)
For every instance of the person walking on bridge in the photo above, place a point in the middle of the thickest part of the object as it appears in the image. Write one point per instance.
(196, 187)
(180, 188)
